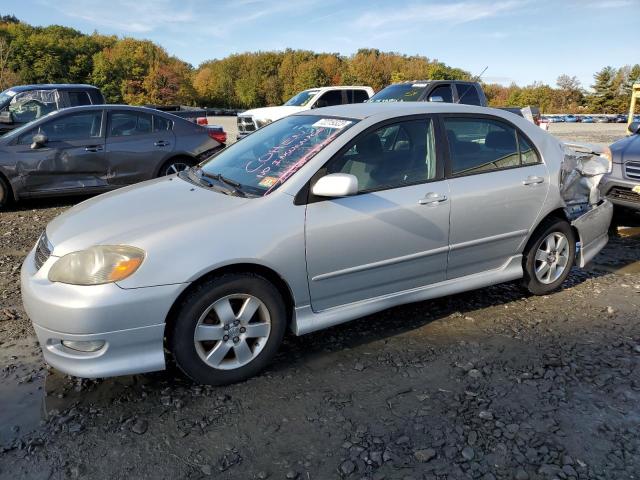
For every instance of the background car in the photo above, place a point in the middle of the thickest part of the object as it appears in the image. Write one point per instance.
(571, 119)
(587, 119)
(620, 119)
(600, 119)
(95, 148)
(22, 104)
(622, 185)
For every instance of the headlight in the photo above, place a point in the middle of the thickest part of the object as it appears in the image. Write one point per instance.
(262, 122)
(97, 265)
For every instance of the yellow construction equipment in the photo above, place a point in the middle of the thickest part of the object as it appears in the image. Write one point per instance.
(635, 96)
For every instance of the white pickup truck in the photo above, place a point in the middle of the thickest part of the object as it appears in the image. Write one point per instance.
(251, 120)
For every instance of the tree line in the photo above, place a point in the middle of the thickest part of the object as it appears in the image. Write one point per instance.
(135, 71)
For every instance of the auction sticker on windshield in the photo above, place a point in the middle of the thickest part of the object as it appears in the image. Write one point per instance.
(332, 123)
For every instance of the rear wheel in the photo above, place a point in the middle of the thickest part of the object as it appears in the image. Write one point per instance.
(175, 165)
(549, 257)
(228, 329)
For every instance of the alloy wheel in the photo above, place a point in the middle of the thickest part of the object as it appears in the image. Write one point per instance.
(232, 331)
(175, 168)
(552, 258)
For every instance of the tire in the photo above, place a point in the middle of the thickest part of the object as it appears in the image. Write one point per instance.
(546, 249)
(175, 165)
(212, 341)
(5, 193)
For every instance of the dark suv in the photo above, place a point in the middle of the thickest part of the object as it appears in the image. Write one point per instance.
(449, 91)
(25, 103)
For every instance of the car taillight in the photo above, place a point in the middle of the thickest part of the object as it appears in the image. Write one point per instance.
(202, 121)
(218, 135)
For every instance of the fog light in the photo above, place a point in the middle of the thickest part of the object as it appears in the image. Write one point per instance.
(90, 346)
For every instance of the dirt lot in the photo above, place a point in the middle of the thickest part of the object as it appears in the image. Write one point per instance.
(491, 384)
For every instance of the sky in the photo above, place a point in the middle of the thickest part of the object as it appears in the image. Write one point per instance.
(519, 41)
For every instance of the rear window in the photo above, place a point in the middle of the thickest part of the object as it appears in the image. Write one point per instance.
(357, 96)
(79, 98)
(400, 92)
(468, 94)
(161, 124)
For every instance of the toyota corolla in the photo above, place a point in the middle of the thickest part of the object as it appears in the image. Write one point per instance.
(317, 219)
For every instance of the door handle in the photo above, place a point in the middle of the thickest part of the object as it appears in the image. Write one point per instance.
(432, 198)
(161, 143)
(533, 180)
(93, 148)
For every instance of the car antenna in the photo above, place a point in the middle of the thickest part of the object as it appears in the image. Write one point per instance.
(474, 79)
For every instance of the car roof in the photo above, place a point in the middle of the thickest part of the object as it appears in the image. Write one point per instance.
(52, 86)
(111, 106)
(361, 111)
(411, 82)
(152, 111)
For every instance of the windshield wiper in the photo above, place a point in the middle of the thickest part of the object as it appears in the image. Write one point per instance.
(237, 187)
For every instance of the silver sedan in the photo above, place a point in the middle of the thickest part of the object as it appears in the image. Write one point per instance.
(317, 219)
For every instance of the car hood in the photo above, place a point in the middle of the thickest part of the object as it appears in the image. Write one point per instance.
(140, 215)
(626, 149)
(273, 113)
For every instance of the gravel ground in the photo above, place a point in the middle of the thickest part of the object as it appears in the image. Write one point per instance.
(490, 384)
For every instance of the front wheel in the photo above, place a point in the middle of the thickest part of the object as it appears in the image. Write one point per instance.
(228, 329)
(549, 257)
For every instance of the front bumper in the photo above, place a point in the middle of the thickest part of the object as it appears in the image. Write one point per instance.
(130, 322)
(593, 228)
(618, 190)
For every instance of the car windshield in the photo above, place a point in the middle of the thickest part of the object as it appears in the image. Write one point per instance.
(302, 99)
(264, 160)
(401, 92)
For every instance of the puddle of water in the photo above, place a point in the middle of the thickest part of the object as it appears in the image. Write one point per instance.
(21, 388)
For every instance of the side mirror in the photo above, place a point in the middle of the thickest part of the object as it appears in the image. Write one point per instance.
(6, 117)
(336, 185)
(634, 127)
(320, 104)
(436, 98)
(39, 140)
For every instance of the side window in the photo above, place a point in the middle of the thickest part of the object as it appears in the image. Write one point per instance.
(330, 98)
(442, 91)
(480, 145)
(528, 155)
(79, 98)
(360, 96)
(356, 96)
(160, 124)
(393, 156)
(125, 124)
(77, 126)
(468, 94)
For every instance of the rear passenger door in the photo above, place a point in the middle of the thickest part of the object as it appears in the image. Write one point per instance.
(137, 145)
(498, 185)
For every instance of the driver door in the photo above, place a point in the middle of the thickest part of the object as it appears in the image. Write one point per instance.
(71, 159)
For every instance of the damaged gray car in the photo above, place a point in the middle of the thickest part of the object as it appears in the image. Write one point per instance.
(95, 148)
(314, 220)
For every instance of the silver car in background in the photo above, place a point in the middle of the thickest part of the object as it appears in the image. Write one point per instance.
(95, 148)
(319, 218)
